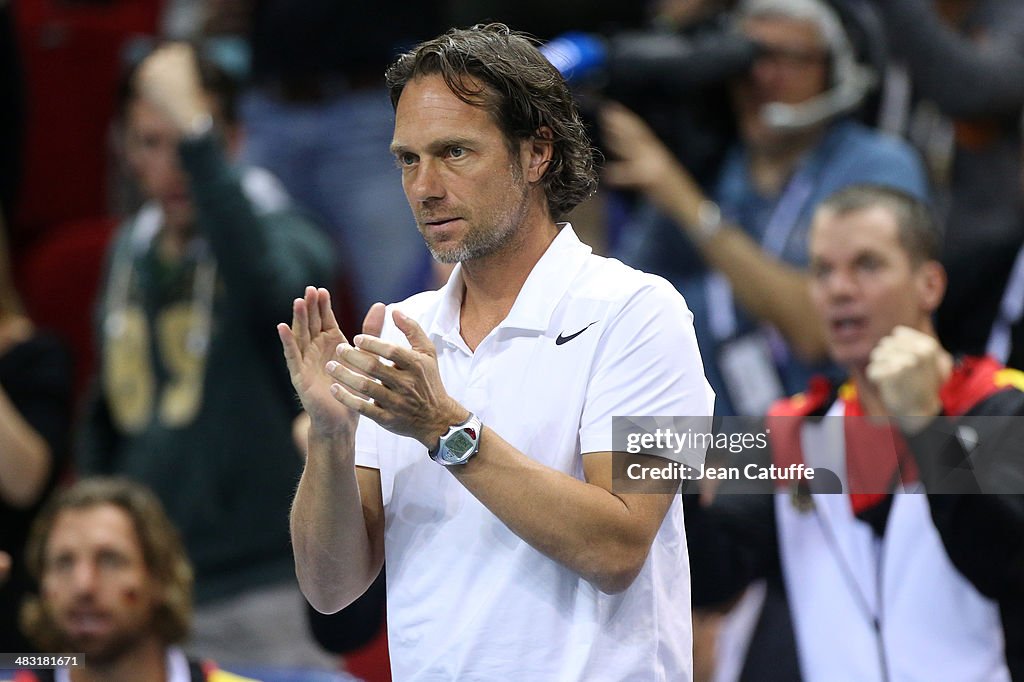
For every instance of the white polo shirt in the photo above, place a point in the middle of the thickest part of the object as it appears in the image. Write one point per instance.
(586, 339)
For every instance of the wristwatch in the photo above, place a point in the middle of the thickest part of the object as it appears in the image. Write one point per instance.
(199, 127)
(709, 220)
(461, 442)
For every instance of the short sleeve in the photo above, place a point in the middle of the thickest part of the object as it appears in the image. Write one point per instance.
(647, 364)
(367, 454)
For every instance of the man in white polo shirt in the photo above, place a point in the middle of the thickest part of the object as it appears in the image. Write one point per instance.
(466, 435)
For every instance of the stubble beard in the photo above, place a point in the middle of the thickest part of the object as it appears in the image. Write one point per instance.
(108, 651)
(494, 236)
(478, 243)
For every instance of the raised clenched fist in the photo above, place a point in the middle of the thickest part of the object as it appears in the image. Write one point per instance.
(908, 368)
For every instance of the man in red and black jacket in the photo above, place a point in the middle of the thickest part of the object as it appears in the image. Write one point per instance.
(871, 585)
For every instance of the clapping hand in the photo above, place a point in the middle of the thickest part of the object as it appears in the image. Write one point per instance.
(309, 344)
(399, 388)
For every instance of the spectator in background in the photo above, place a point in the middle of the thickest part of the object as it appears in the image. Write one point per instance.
(115, 586)
(35, 414)
(317, 116)
(884, 586)
(193, 399)
(736, 251)
(965, 60)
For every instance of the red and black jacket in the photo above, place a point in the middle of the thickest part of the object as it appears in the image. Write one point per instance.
(734, 540)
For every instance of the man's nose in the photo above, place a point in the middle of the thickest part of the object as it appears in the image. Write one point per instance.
(425, 183)
(841, 286)
(765, 73)
(83, 577)
(168, 167)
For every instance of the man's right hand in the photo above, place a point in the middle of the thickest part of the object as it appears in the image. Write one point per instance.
(909, 368)
(169, 79)
(308, 345)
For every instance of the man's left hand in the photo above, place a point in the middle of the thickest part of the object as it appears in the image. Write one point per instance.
(399, 388)
(909, 367)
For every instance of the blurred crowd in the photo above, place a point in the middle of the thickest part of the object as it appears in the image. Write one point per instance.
(158, 159)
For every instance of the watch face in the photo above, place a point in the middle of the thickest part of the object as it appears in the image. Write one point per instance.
(457, 445)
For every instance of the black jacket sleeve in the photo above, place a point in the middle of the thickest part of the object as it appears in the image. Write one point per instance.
(977, 462)
(731, 543)
(973, 470)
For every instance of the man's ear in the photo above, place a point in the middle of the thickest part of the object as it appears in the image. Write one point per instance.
(541, 150)
(931, 285)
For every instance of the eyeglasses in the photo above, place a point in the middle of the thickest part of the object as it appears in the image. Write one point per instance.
(792, 58)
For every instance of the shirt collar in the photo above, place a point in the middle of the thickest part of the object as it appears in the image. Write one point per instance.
(548, 282)
(535, 304)
(445, 324)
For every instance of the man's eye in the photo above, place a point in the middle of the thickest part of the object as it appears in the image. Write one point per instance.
(456, 152)
(111, 560)
(403, 159)
(869, 264)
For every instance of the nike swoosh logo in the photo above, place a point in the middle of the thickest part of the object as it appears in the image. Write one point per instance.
(566, 339)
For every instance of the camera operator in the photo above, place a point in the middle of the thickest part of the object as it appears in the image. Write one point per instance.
(737, 252)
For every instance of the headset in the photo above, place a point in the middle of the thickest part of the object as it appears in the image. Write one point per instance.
(842, 23)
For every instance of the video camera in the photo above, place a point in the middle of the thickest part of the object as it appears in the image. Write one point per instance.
(677, 81)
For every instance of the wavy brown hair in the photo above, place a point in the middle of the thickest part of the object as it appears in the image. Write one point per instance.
(522, 92)
(162, 551)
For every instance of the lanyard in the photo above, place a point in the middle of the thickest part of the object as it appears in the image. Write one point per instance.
(143, 232)
(783, 222)
(1011, 309)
